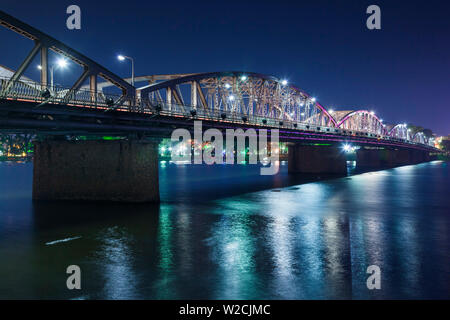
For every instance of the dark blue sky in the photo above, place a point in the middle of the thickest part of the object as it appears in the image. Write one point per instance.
(401, 72)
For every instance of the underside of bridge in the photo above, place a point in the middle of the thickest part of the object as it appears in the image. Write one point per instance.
(316, 159)
(384, 158)
(331, 159)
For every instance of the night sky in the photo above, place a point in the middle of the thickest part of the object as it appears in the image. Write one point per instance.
(401, 72)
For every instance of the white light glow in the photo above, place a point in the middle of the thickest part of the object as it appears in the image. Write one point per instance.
(231, 98)
(62, 63)
(120, 57)
(284, 82)
(243, 78)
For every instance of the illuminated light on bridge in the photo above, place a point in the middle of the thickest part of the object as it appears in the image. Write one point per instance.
(62, 63)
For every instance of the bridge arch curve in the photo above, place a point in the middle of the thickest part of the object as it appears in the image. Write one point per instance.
(362, 120)
(240, 93)
(400, 131)
(419, 137)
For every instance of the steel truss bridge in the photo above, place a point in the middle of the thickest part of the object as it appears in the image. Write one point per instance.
(220, 99)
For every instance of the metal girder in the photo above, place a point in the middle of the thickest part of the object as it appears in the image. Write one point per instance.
(242, 92)
(45, 40)
(362, 120)
(77, 83)
(16, 76)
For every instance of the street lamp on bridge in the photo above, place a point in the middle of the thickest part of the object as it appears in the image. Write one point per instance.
(61, 63)
(122, 58)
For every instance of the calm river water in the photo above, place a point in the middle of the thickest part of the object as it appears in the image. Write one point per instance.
(225, 232)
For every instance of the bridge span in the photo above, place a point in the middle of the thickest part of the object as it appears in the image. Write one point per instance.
(127, 170)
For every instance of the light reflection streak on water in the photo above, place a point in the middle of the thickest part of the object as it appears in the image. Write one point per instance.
(280, 233)
(234, 249)
(367, 227)
(406, 231)
(117, 263)
(165, 254)
(296, 239)
(184, 241)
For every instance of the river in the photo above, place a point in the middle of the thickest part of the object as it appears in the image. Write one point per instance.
(225, 232)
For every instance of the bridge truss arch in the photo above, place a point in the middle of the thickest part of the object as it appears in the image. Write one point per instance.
(362, 120)
(419, 137)
(235, 93)
(400, 131)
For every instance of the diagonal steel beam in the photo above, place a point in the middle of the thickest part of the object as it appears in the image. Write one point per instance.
(77, 84)
(16, 76)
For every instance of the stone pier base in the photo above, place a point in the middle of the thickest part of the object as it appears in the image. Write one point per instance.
(316, 159)
(118, 170)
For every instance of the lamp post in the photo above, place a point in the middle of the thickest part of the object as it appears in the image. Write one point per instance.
(122, 58)
(61, 63)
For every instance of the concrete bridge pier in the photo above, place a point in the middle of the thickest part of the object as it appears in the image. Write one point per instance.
(316, 159)
(96, 170)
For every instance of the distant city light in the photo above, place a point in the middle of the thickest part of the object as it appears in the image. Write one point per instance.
(330, 111)
(227, 85)
(372, 112)
(39, 67)
(313, 99)
(231, 98)
(243, 78)
(284, 82)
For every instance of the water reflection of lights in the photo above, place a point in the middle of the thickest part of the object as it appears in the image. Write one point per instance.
(115, 257)
(282, 246)
(165, 253)
(234, 250)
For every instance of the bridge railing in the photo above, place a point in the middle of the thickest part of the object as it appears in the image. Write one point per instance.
(34, 92)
